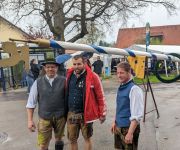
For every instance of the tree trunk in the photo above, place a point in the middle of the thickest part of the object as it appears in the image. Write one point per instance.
(58, 19)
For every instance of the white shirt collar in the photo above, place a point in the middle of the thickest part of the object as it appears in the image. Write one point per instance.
(50, 79)
(128, 80)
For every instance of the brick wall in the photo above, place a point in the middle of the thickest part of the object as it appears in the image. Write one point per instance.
(129, 36)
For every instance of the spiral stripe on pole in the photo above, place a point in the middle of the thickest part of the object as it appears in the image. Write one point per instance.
(108, 50)
(99, 49)
(54, 44)
(130, 52)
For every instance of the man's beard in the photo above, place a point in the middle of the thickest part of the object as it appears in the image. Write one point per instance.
(78, 71)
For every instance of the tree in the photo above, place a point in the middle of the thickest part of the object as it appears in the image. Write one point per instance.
(94, 34)
(73, 16)
(38, 33)
(106, 44)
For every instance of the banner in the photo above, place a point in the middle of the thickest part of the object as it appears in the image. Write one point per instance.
(138, 65)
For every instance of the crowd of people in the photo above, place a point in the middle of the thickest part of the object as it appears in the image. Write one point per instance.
(78, 100)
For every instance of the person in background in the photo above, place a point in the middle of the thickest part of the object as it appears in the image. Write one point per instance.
(88, 63)
(84, 94)
(42, 71)
(24, 74)
(129, 110)
(30, 80)
(49, 92)
(34, 68)
(61, 70)
(98, 65)
(86, 57)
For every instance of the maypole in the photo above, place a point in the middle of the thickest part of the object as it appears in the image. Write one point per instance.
(107, 50)
(97, 49)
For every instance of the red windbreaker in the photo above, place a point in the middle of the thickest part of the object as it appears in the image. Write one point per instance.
(95, 105)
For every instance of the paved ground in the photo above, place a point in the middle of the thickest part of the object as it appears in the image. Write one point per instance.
(156, 134)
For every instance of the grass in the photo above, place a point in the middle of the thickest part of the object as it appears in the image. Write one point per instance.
(106, 77)
(170, 76)
(152, 79)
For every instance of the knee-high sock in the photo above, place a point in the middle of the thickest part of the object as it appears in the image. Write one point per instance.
(59, 145)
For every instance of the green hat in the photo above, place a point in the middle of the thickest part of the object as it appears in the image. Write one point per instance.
(50, 61)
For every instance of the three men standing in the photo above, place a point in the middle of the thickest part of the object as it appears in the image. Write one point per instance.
(83, 103)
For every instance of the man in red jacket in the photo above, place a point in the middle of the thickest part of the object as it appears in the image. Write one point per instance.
(86, 102)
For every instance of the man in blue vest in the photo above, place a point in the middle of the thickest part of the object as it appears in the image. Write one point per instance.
(129, 110)
(49, 92)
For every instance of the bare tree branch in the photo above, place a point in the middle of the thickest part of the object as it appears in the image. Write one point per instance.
(76, 14)
(48, 17)
(83, 23)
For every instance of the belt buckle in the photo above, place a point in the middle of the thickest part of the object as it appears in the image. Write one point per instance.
(72, 120)
(76, 118)
(80, 116)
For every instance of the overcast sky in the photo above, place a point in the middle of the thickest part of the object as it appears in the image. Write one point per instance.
(155, 16)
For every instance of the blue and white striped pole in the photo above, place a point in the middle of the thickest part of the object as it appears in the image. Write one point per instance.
(108, 50)
(98, 49)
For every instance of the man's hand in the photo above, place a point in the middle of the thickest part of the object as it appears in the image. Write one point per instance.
(31, 126)
(128, 138)
(102, 119)
(113, 128)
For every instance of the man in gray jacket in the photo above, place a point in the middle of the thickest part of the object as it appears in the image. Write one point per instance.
(49, 92)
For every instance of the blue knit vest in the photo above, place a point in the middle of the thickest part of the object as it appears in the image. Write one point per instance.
(123, 105)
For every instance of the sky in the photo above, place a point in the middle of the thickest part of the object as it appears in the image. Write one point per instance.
(155, 16)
